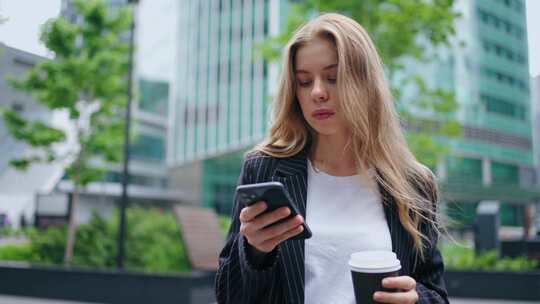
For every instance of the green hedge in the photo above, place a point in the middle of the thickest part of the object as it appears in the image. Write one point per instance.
(458, 257)
(19, 253)
(153, 243)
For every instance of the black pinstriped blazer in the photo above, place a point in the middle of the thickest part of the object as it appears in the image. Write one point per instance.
(281, 280)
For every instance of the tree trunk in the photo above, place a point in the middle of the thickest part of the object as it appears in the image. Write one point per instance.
(72, 226)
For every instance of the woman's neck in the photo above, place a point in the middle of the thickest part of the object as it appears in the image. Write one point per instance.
(333, 155)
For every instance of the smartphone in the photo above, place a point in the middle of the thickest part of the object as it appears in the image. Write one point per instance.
(276, 196)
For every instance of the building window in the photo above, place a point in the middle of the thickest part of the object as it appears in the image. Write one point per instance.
(462, 213)
(17, 107)
(505, 78)
(502, 107)
(502, 51)
(195, 111)
(149, 147)
(496, 137)
(500, 23)
(464, 170)
(515, 5)
(154, 96)
(23, 62)
(505, 174)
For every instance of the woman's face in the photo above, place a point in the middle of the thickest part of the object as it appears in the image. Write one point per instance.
(316, 67)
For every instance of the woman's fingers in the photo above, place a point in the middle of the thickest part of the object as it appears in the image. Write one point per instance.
(271, 217)
(249, 213)
(254, 226)
(407, 295)
(282, 228)
(401, 282)
(273, 242)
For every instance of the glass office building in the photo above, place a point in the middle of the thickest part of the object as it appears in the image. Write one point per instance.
(490, 76)
(221, 90)
(222, 83)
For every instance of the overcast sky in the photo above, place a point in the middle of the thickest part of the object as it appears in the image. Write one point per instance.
(21, 30)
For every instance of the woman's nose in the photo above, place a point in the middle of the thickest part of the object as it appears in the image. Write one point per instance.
(319, 92)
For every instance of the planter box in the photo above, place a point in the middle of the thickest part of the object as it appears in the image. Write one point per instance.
(524, 286)
(194, 288)
(514, 248)
(106, 286)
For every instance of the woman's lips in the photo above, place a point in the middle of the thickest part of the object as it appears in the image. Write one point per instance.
(322, 114)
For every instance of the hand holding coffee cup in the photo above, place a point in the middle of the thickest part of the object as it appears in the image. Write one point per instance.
(375, 278)
(406, 293)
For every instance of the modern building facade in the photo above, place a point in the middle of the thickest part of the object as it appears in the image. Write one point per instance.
(222, 86)
(535, 90)
(221, 93)
(18, 189)
(490, 76)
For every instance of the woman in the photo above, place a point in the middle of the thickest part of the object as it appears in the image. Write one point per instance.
(336, 145)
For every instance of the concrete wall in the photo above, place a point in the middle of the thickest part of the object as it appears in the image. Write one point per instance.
(188, 178)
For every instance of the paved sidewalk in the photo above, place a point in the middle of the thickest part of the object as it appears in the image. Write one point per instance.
(26, 300)
(479, 301)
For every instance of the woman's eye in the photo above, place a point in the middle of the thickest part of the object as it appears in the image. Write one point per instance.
(332, 80)
(304, 83)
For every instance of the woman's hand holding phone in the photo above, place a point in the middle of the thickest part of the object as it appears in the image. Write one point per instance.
(254, 226)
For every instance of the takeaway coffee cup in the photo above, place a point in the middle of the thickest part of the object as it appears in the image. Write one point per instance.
(368, 269)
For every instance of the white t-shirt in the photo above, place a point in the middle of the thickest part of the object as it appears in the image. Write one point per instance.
(346, 215)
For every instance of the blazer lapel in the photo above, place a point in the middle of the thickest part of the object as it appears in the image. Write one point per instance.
(400, 238)
(292, 173)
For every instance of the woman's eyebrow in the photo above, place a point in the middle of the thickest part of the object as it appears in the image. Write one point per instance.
(330, 66)
(333, 65)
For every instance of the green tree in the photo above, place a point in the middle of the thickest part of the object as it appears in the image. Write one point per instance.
(401, 30)
(87, 79)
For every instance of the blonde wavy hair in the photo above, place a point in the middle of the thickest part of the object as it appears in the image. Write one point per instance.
(376, 139)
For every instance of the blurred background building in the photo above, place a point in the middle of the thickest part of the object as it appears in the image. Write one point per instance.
(219, 102)
(488, 69)
(18, 190)
(203, 96)
(221, 96)
(535, 91)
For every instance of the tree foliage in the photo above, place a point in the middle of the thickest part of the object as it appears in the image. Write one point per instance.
(86, 79)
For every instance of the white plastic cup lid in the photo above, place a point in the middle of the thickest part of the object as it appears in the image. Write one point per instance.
(375, 261)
